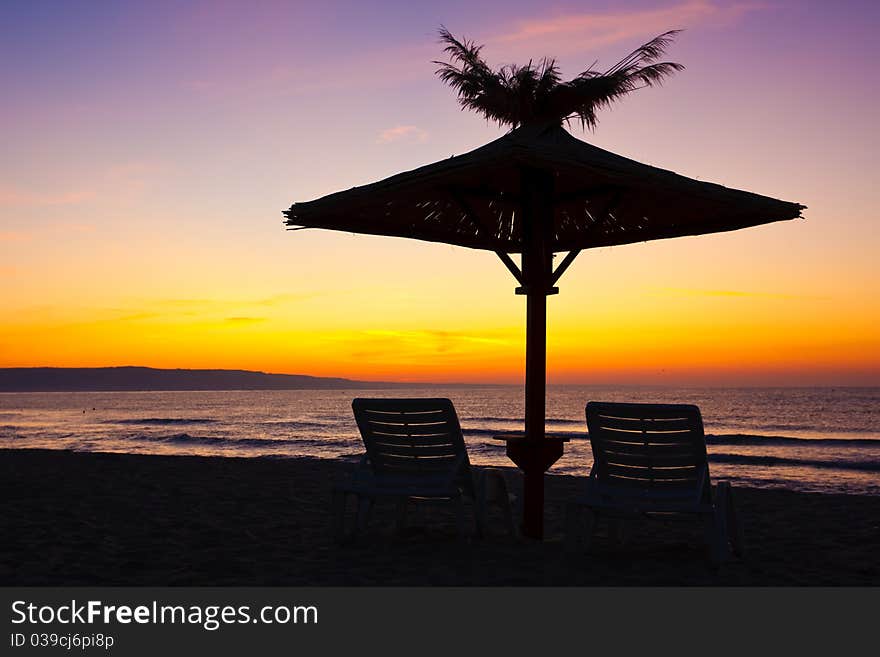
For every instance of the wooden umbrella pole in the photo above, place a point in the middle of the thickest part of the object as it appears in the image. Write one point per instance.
(534, 453)
(537, 194)
(536, 362)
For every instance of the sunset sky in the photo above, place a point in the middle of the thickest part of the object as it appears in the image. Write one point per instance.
(149, 149)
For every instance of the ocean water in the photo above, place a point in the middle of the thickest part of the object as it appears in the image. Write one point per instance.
(808, 439)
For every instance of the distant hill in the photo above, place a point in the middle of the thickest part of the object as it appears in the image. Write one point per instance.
(73, 379)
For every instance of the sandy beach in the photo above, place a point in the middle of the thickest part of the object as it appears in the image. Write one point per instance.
(118, 519)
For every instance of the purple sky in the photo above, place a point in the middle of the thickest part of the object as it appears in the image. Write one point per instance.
(150, 147)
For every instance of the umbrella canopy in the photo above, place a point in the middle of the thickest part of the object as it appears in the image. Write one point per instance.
(598, 199)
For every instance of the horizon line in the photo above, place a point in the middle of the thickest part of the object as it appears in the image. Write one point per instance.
(391, 383)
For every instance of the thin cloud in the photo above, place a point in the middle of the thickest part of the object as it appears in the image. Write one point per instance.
(407, 63)
(400, 64)
(199, 85)
(276, 300)
(245, 320)
(18, 199)
(404, 133)
(675, 291)
(126, 180)
(132, 178)
(14, 236)
(176, 303)
(136, 317)
(440, 341)
(58, 227)
(281, 299)
(573, 33)
(69, 227)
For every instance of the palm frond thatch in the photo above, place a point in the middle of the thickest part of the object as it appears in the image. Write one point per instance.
(535, 93)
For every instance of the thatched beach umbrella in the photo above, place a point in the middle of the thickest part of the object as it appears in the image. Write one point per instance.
(538, 191)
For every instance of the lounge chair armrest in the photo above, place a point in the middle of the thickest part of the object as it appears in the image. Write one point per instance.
(489, 479)
(702, 482)
(362, 471)
(456, 471)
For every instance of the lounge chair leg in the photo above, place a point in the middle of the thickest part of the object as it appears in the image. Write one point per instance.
(621, 530)
(481, 500)
(709, 534)
(401, 514)
(498, 493)
(735, 528)
(507, 507)
(479, 518)
(719, 545)
(338, 513)
(365, 507)
(588, 527)
(573, 534)
(509, 520)
(459, 518)
(579, 524)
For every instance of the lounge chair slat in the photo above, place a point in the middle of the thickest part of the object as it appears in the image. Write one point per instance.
(654, 411)
(410, 429)
(647, 449)
(416, 451)
(407, 418)
(381, 415)
(655, 458)
(681, 473)
(604, 433)
(380, 420)
(394, 439)
(650, 488)
(393, 464)
(646, 424)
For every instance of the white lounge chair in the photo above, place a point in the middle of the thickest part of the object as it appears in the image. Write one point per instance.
(415, 452)
(650, 459)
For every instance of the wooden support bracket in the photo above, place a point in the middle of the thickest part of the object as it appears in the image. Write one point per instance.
(565, 264)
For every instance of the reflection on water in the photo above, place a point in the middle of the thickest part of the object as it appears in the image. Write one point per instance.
(817, 439)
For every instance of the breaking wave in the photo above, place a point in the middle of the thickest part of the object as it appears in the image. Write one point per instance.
(163, 421)
(187, 439)
(744, 459)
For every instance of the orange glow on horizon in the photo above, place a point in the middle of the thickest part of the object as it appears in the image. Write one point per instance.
(643, 335)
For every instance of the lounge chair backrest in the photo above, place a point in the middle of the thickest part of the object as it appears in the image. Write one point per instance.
(413, 438)
(651, 447)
